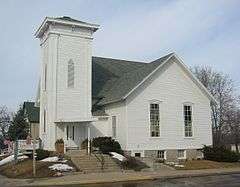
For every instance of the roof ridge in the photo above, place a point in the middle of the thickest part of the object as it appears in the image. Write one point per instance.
(165, 56)
(125, 60)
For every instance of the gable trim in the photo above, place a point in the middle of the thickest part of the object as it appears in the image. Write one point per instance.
(147, 77)
(189, 73)
(196, 81)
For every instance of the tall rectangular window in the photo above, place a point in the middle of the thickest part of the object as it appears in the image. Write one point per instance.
(70, 81)
(44, 120)
(114, 126)
(45, 77)
(188, 120)
(154, 120)
(67, 132)
(73, 132)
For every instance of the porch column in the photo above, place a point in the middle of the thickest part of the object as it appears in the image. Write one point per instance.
(65, 136)
(88, 137)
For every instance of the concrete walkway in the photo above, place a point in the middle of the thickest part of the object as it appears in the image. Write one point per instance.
(99, 178)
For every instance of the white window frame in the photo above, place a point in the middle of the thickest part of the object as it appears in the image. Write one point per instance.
(149, 116)
(164, 154)
(114, 129)
(192, 118)
(184, 154)
(137, 151)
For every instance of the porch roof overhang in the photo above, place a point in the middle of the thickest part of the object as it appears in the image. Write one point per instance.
(76, 120)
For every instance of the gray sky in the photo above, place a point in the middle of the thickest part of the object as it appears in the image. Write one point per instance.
(200, 32)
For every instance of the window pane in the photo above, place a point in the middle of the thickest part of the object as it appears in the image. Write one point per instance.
(188, 120)
(180, 153)
(154, 120)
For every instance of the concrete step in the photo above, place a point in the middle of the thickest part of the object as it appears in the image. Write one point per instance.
(90, 163)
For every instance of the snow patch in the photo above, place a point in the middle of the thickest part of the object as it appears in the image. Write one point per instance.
(179, 166)
(170, 163)
(118, 156)
(11, 158)
(60, 167)
(53, 159)
(50, 159)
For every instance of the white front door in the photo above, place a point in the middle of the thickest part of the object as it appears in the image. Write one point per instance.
(71, 135)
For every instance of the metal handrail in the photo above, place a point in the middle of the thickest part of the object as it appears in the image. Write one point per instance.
(101, 159)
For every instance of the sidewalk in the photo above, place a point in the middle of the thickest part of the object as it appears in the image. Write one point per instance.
(99, 178)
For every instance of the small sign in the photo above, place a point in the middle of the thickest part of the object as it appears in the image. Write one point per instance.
(27, 145)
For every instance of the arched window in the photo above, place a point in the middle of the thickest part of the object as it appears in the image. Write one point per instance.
(70, 81)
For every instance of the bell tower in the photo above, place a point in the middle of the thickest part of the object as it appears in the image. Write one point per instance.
(66, 75)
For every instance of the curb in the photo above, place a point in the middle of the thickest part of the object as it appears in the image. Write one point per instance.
(138, 179)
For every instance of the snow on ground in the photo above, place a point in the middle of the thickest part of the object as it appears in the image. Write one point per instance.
(179, 166)
(50, 159)
(11, 158)
(53, 159)
(60, 167)
(118, 156)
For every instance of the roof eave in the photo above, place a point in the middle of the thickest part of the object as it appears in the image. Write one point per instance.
(200, 85)
(37, 34)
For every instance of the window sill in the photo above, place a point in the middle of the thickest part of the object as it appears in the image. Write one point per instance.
(155, 138)
(189, 138)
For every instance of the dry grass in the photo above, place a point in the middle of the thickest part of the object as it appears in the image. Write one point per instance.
(23, 169)
(207, 164)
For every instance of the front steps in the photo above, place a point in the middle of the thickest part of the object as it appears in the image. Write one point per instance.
(91, 164)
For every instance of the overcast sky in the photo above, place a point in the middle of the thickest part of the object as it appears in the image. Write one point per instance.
(200, 32)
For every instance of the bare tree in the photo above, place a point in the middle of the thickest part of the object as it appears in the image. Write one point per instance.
(222, 88)
(4, 120)
(232, 122)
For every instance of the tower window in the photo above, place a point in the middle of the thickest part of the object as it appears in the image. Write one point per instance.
(45, 77)
(70, 81)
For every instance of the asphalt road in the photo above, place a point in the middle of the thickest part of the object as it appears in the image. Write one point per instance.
(232, 180)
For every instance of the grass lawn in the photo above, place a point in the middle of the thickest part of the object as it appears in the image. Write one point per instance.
(207, 164)
(23, 169)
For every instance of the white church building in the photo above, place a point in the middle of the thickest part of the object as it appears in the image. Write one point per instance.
(156, 109)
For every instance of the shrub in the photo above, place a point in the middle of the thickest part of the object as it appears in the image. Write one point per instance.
(84, 144)
(106, 145)
(41, 154)
(133, 164)
(220, 154)
(59, 141)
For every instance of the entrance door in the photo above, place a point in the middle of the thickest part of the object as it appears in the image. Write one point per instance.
(71, 135)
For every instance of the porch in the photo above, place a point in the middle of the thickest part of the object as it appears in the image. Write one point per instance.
(73, 134)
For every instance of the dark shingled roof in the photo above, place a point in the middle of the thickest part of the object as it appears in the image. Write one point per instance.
(113, 79)
(32, 112)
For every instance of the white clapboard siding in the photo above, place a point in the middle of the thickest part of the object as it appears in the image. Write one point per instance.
(172, 88)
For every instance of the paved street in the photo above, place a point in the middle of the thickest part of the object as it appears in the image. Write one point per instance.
(229, 180)
(232, 180)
